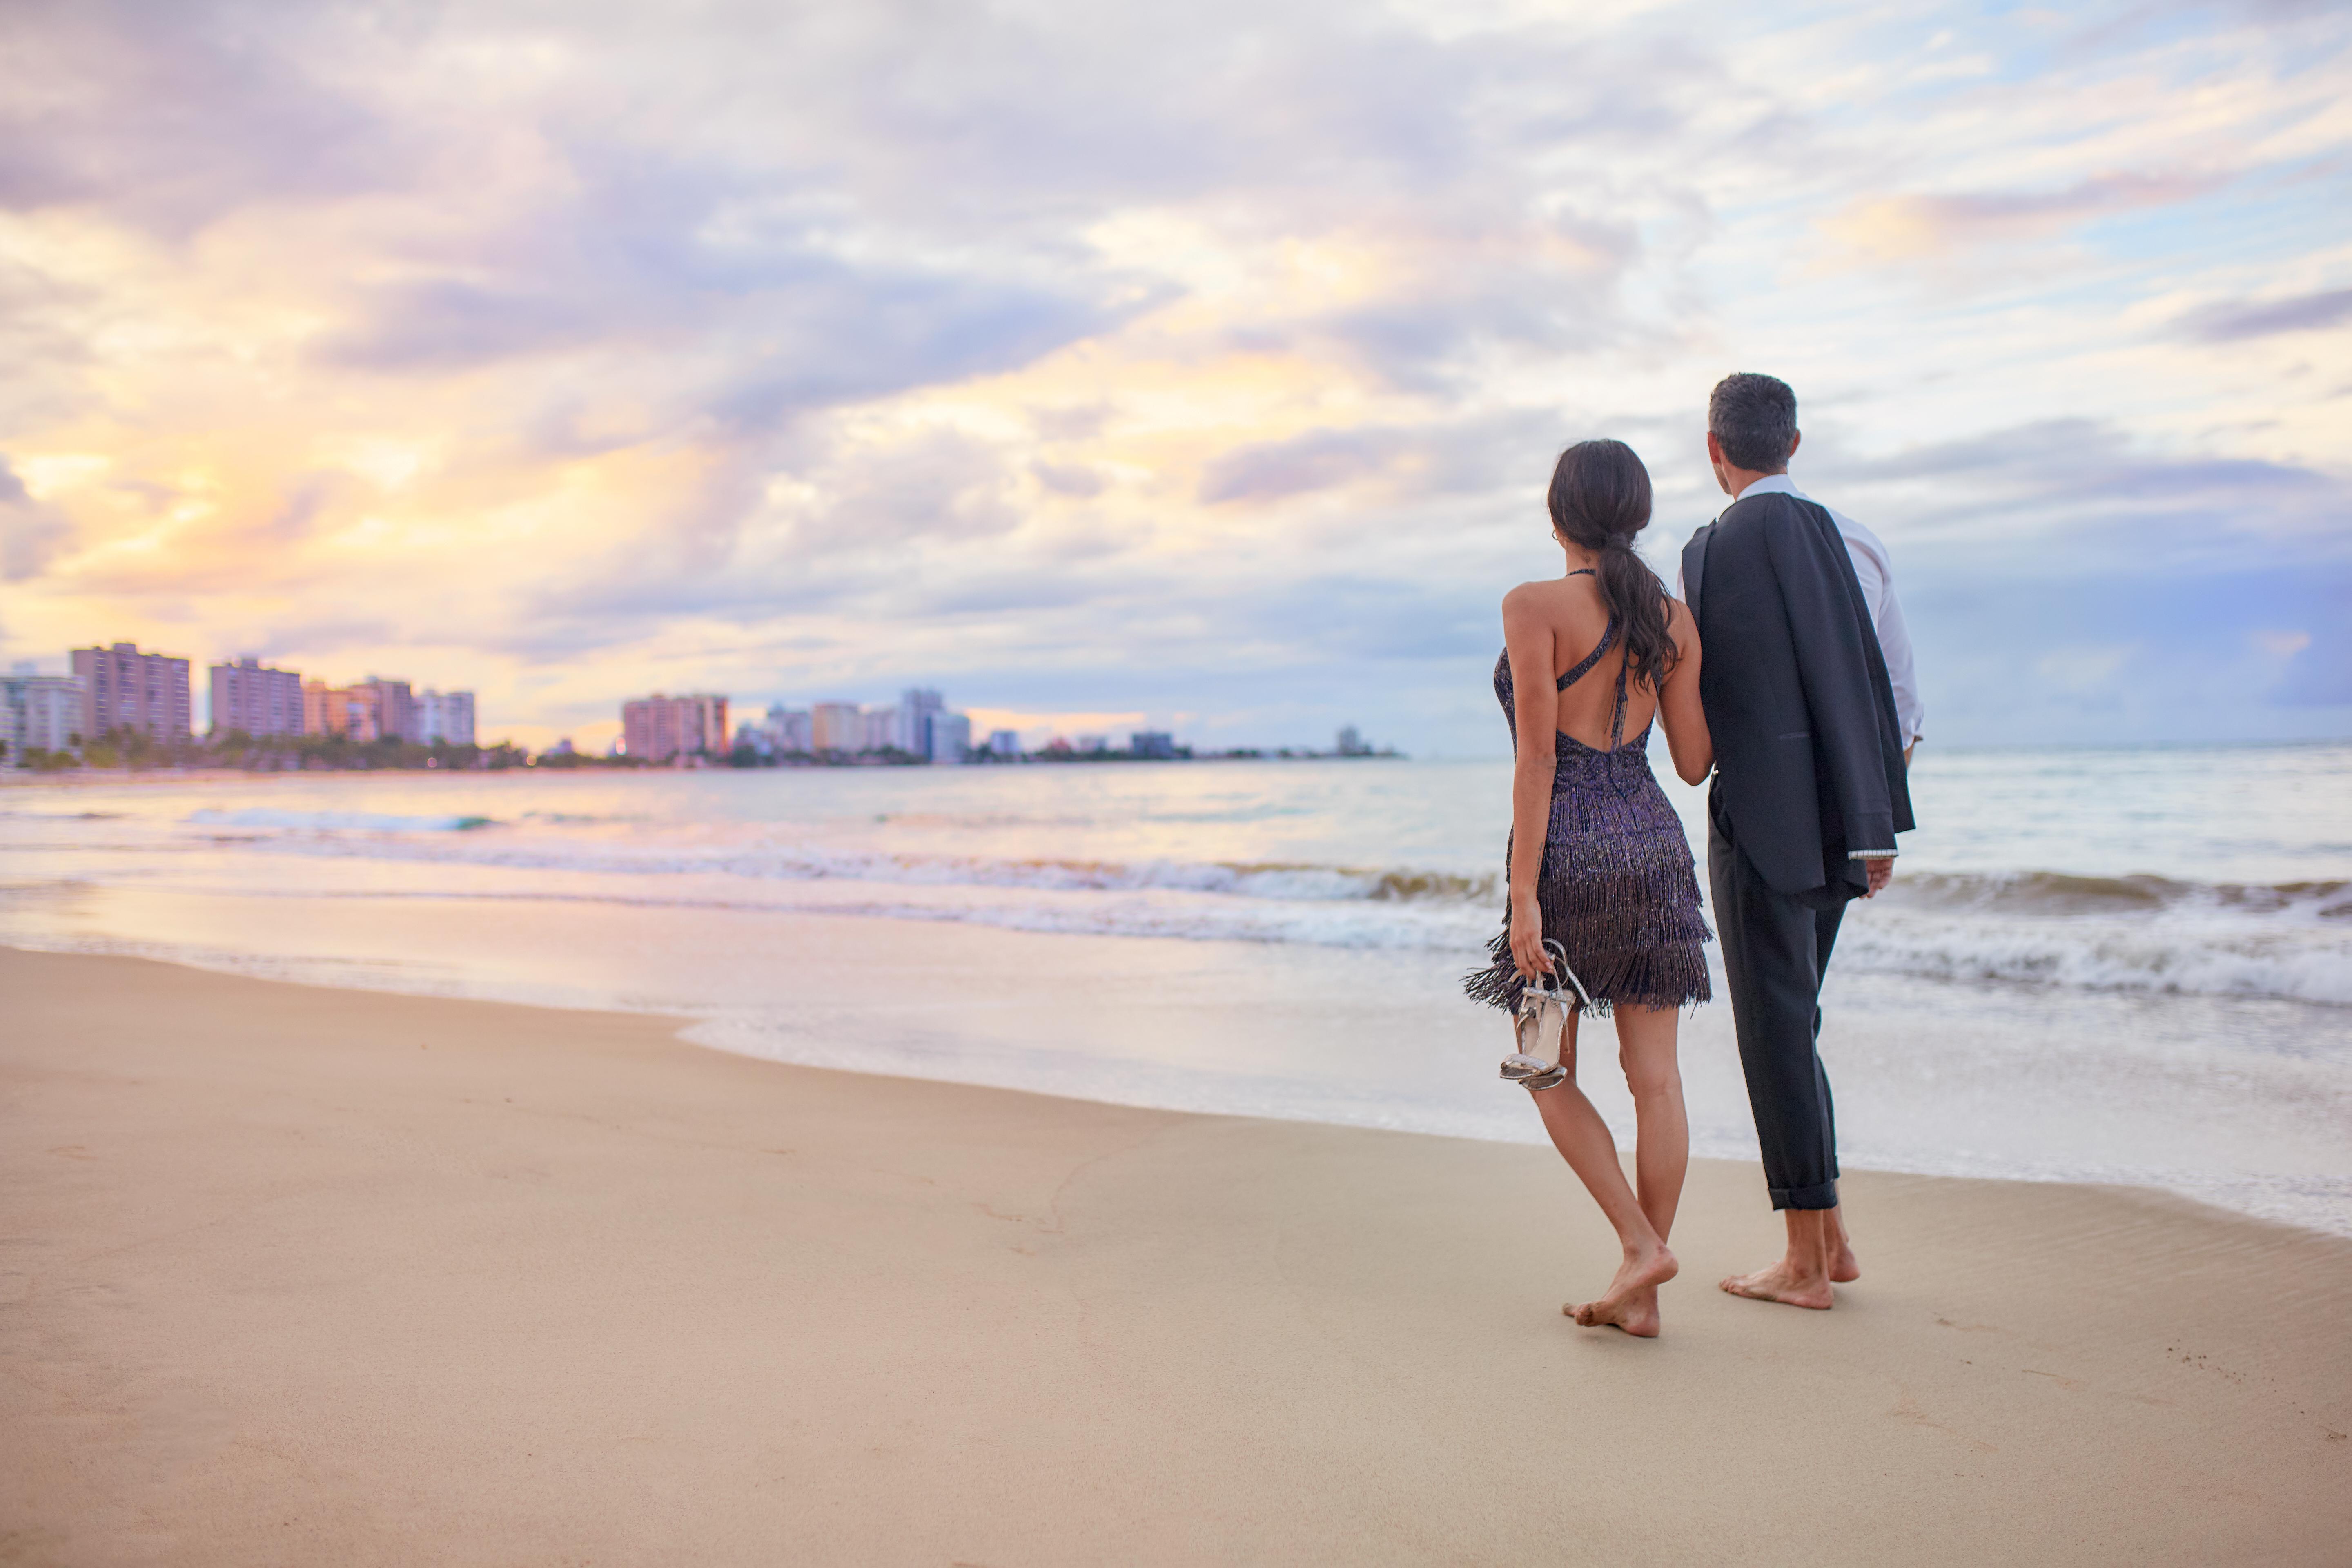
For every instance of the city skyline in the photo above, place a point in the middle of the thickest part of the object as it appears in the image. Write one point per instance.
(120, 688)
(264, 701)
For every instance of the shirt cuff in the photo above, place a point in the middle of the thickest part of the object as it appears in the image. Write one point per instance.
(1872, 854)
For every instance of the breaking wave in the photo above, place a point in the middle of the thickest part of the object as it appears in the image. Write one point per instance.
(2056, 893)
(2287, 940)
(336, 821)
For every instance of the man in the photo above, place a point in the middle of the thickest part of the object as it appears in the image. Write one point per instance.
(1808, 695)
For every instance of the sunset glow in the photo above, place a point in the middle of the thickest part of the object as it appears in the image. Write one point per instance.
(1102, 365)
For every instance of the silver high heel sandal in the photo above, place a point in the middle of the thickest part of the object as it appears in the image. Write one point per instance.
(1540, 1026)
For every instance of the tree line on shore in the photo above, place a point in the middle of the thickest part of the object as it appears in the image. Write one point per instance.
(139, 752)
(136, 751)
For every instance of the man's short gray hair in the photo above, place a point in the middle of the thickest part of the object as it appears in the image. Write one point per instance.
(1753, 418)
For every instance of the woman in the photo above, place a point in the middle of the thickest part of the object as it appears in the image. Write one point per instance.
(1599, 863)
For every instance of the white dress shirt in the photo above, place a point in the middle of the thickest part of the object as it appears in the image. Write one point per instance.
(1871, 569)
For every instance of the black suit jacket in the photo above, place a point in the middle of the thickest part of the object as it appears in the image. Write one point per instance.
(1808, 749)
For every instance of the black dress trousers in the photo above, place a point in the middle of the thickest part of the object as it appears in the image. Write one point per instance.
(1776, 948)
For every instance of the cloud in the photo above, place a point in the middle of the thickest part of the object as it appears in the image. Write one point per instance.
(171, 113)
(1067, 479)
(1317, 460)
(30, 534)
(2053, 494)
(2231, 321)
(1440, 458)
(1906, 227)
(1098, 357)
(2319, 675)
(450, 324)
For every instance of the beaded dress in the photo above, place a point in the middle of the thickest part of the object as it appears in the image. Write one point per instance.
(1616, 885)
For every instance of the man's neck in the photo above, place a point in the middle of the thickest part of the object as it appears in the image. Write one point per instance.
(1740, 480)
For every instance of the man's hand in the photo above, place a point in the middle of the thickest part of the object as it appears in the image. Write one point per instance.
(1880, 869)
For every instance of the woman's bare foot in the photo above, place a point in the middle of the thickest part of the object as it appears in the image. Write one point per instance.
(1637, 1313)
(1786, 1285)
(1632, 1300)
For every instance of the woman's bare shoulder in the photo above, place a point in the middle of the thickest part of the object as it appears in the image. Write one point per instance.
(1681, 625)
(1551, 591)
(1528, 598)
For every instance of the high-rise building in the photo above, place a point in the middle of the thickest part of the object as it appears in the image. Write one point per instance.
(123, 689)
(881, 729)
(918, 708)
(250, 696)
(1090, 744)
(38, 713)
(837, 727)
(950, 737)
(395, 708)
(445, 717)
(658, 728)
(353, 713)
(1004, 742)
(1351, 743)
(790, 729)
(1153, 743)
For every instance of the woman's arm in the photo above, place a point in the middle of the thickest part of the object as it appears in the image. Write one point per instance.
(1535, 704)
(1678, 704)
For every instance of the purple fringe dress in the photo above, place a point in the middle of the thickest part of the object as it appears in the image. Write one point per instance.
(1616, 885)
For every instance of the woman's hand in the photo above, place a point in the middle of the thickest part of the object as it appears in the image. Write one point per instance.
(1527, 954)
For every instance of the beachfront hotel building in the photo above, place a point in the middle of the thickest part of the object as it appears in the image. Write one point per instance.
(38, 713)
(261, 701)
(395, 707)
(123, 689)
(790, 729)
(910, 722)
(919, 725)
(950, 738)
(659, 728)
(350, 711)
(445, 717)
(837, 727)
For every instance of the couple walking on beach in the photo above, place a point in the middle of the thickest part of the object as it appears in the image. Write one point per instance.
(1801, 705)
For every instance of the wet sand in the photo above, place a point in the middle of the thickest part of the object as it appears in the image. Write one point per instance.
(294, 1275)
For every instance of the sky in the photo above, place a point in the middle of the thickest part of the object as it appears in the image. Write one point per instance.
(1194, 367)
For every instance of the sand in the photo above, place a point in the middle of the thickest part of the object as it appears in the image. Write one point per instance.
(295, 1275)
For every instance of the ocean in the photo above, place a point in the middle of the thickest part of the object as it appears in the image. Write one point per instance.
(2113, 965)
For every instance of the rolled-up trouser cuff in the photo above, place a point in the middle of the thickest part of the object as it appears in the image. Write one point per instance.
(1822, 1195)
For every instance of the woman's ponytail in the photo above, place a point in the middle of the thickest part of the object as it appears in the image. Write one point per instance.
(1600, 499)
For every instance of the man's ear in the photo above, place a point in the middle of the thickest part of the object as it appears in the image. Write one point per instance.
(1714, 449)
(1795, 439)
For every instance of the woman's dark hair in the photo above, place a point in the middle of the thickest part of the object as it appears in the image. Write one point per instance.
(1600, 499)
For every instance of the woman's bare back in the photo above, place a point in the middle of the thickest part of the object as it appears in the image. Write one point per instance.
(1577, 617)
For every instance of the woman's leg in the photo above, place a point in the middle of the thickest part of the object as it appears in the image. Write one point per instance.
(1645, 1049)
(1584, 1140)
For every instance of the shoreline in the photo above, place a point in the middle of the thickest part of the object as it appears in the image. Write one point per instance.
(290, 1279)
(984, 1058)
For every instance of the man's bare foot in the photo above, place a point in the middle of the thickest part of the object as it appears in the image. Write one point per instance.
(1636, 1313)
(1631, 1302)
(1844, 1269)
(1783, 1284)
